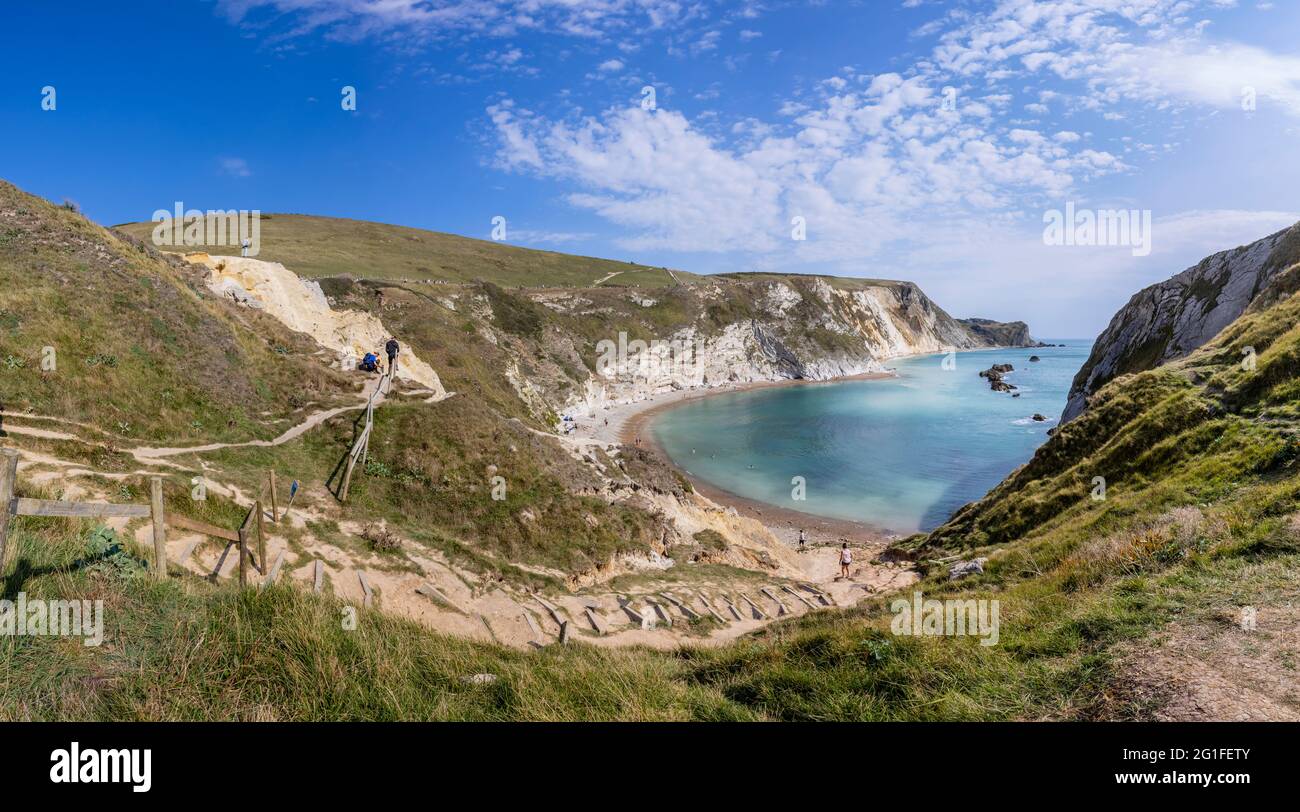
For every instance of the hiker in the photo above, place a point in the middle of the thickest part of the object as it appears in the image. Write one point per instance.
(379, 299)
(370, 363)
(247, 244)
(846, 558)
(803, 541)
(392, 348)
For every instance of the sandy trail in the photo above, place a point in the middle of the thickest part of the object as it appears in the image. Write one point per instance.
(43, 434)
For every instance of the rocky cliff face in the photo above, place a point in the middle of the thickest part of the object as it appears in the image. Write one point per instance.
(1171, 319)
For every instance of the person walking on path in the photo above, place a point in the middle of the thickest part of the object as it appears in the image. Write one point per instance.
(846, 558)
(803, 541)
(392, 348)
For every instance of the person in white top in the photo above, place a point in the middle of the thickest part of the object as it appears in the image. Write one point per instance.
(846, 558)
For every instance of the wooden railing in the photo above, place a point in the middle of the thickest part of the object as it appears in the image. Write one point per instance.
(361, 446)
(253, 520)
(14, 506)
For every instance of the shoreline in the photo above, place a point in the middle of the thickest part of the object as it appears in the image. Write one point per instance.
(783, 522)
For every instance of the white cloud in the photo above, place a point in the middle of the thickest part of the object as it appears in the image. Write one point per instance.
(1149, 51)
(871, 163)
(358, 19)
(235, 167)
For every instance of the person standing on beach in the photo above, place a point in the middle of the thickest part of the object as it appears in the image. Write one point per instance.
(803, 541)
(846, 558)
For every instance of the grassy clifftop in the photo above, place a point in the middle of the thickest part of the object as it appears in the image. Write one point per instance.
(330, 246)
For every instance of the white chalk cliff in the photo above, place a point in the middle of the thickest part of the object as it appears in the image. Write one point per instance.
(300, 305)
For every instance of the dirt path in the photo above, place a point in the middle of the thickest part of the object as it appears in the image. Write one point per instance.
(146, 454)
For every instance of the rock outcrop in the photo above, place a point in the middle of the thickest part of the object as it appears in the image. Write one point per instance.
(1001, 334)
(995, 375)
(1171, 319)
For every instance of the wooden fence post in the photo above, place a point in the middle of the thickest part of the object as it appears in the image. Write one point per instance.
(275, 504)
(8, 479)
(261, 540)
(159, 530)
(243, 555)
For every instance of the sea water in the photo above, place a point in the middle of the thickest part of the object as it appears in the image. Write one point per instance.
(900, 454)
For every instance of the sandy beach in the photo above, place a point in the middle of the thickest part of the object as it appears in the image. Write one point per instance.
(626, 423)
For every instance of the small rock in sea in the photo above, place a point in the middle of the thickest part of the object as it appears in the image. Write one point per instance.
(479, 679)
(964, 568)
(994, 375)
(1038, 418)
(1015, 394)
(1034, 358)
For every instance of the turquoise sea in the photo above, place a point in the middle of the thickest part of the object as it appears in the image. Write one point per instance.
(899, 454)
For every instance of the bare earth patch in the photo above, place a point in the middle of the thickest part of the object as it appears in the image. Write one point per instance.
(1218, 671)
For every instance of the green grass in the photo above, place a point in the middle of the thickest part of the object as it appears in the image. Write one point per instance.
(185, 649)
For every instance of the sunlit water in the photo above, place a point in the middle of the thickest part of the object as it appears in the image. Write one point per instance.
(900, 454)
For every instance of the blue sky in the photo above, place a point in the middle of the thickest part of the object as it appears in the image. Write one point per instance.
(833, 112)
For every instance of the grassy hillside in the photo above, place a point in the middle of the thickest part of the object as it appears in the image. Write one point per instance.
(329, 246)
(1199, 520)
(136, 351)
(147, 356)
